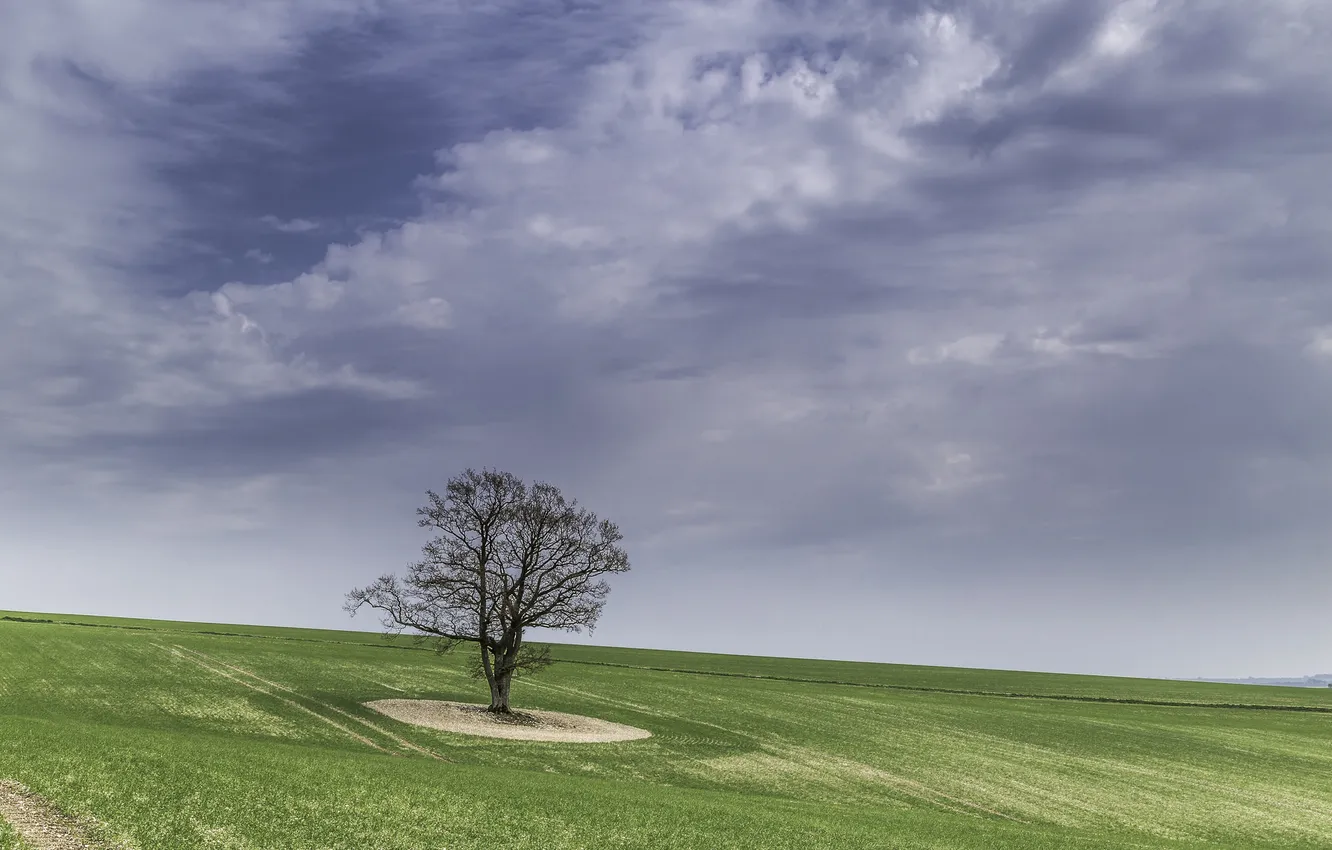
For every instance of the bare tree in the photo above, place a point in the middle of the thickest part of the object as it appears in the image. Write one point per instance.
(508, 557)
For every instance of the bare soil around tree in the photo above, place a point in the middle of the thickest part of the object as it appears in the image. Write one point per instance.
(40, 824)
(528, 725)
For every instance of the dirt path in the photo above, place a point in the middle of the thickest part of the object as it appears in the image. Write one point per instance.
(39, 823)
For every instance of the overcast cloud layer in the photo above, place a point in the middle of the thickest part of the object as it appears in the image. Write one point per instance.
(990, 333)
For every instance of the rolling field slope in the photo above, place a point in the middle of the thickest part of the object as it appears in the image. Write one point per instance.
(161, 736)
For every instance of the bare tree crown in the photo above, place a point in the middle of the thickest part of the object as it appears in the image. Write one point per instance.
(506, 557)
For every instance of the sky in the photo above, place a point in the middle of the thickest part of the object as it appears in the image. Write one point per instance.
(986, 333)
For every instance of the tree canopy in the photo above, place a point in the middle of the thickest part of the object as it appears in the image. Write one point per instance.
(507, 557)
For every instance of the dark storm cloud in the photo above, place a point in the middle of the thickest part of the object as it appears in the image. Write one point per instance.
(345, 125)
(337, 130)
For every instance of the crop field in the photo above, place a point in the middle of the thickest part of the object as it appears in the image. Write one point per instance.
(161, 736)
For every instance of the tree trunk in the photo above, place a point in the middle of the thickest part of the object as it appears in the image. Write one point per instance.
(499, 691)
(498, 679)
(505, 663)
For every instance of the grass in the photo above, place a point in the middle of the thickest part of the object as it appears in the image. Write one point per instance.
(210, 736)
(9, 840)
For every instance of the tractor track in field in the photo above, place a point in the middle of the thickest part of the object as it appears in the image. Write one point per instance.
(1238, 706)
(271, 688)
(180, 653)
(395, 738)
(40, 824)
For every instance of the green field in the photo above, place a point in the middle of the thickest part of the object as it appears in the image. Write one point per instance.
(177, 735)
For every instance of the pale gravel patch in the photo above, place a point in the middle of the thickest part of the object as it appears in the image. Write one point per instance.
(41, 825)
(466, 719)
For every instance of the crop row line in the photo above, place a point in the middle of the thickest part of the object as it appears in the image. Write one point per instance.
(212, 665)
(181, 652)
(1316, 709)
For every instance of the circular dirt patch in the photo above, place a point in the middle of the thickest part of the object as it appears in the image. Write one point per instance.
(524, 726)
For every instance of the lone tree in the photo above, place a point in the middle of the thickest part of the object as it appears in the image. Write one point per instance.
(508, 557)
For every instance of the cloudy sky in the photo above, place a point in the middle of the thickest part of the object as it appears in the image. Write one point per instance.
(969, 332)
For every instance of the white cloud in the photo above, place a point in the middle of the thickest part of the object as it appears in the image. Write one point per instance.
(593, 224)
(657, 164)
(430, 314)
(1321, 344)
(295, 225)
(661, 164)
(948, 472)
(1042, 346)
(976, 349)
